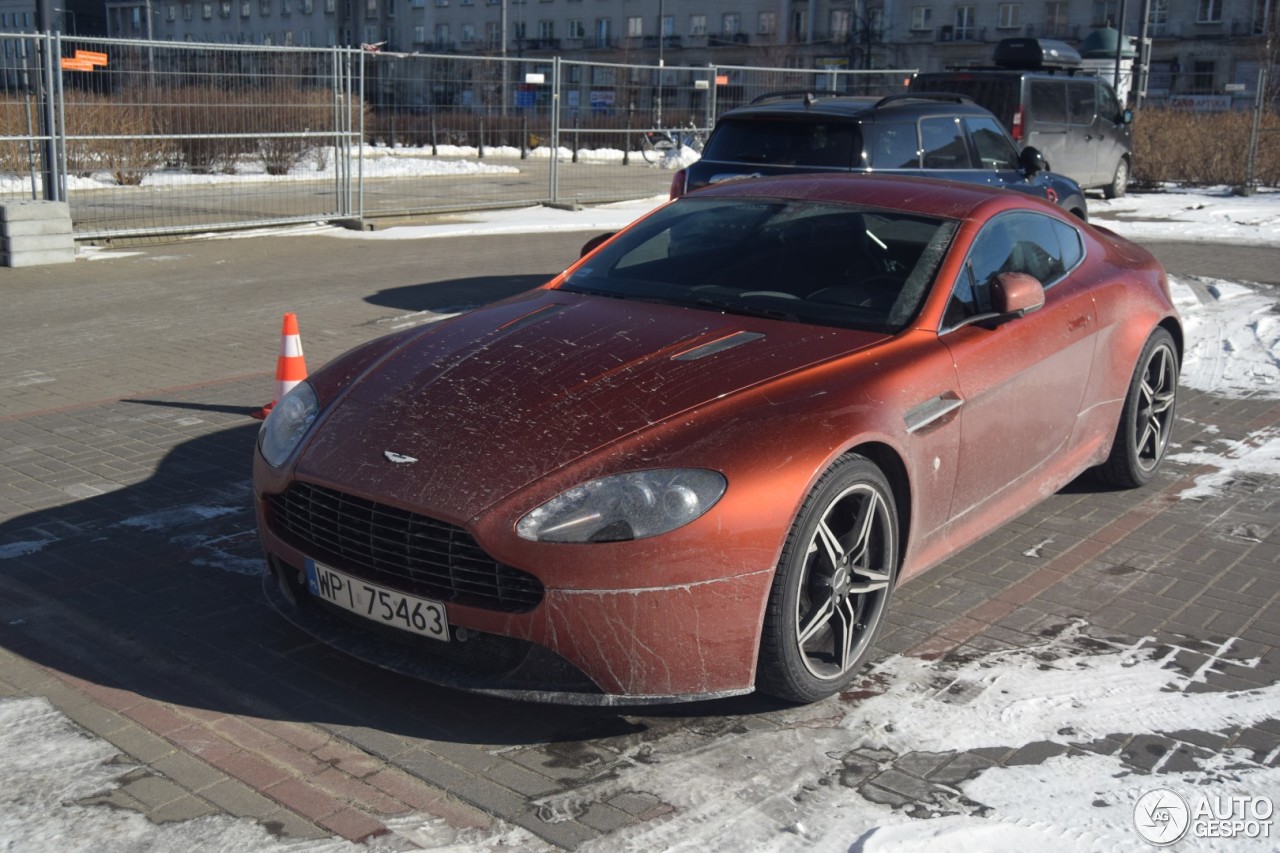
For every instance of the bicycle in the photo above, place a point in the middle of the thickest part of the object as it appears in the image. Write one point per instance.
(657, 144)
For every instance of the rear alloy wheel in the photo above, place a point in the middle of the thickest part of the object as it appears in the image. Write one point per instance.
(1146, 420)
(831, 591)
(1119, 181)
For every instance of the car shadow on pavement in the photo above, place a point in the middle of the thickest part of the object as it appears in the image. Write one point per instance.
(156, 588)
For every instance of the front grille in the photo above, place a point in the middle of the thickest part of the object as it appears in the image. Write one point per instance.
(400, 549)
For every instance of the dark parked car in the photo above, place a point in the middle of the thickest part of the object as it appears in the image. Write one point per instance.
(1037, 91)
(938, 136)
(698, 462)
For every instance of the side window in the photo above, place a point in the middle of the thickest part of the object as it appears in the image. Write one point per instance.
(1082, 100)
(1038, 245)
(942, 144)
(995, 149)
(892, 146)
(1108, 104)
(1069, 240)
(1049, 101)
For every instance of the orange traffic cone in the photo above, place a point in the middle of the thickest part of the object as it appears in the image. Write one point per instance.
(291, 367)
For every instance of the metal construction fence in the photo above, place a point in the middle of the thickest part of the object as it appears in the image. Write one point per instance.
(146, 138)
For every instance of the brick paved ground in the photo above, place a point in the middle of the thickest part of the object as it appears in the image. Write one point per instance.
(130, 596)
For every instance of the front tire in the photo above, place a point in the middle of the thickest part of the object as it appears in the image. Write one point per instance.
(1146, 421)
(1119, 181)
(831, 591)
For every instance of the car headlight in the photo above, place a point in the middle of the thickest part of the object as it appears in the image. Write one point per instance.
(625, 506)
(288, 422)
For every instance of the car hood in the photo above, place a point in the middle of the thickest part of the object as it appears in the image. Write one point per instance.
(493, 400)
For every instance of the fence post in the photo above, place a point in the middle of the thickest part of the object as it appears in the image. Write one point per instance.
(1251, 163)
(555, 129)
(435, 149)
(480, 141)
(48, 121)
(711, 96)
(577, 137)
(626, 139)
(524, 135)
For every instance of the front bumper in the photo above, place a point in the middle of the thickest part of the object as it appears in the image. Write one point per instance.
(582, 647)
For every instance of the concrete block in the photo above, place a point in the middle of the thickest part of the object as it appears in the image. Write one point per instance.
(39, 257)
(37, 243)
(16, 211)
(28, 227)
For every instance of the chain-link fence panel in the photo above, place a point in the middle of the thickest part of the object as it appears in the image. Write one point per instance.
(27, 112)
(166, 137)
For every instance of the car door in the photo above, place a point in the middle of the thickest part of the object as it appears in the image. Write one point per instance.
(1022, 380)
(1114, 137)
(1048, 128)
(944, 150)
(1083, 137)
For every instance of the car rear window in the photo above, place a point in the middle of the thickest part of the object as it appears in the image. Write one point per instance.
(787, 142)
(999, 95)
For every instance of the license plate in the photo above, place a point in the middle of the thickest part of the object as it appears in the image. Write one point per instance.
(378, 603)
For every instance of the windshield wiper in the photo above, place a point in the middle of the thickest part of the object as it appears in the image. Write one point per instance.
(747, 309)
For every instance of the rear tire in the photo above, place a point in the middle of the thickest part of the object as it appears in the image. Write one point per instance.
(1119, 181)
(831, 592)
(1146, 421)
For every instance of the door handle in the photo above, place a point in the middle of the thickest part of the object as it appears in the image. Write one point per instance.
(932, 410)
(1078, 323)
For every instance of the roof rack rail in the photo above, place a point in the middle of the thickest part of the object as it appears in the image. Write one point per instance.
(947, 97)
(795, 93)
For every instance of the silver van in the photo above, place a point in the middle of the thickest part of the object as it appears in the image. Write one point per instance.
(1037, 90)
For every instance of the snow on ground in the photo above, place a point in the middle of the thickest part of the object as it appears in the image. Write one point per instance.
(789, 788)
(1213, 215)
(1257, 456)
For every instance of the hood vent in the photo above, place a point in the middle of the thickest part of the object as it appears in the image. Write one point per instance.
(725, 343)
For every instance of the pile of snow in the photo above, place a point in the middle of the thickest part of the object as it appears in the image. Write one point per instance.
(1213, 215)
(1232, 337)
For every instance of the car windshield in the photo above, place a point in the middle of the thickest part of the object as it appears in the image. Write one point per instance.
(787, 142)
(822, 263)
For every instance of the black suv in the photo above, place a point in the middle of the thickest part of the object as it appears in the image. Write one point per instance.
(939, 136)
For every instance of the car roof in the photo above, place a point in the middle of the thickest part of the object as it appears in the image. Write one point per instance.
(907, 105)
(909, 194)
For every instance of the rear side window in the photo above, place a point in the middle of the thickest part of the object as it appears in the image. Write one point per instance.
(942, 144)
(892, 146)
(781, 142)
(1082, 100)
(1049, 101)
(995, 149)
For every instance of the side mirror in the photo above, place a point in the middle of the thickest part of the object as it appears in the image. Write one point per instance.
(1126, 117)
(1016, 293)
(594, 243)
(1032, 161)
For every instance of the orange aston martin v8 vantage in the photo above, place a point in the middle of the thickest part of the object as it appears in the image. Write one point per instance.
(698, 462)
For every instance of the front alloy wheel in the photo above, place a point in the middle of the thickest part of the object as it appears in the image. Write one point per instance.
(831, 591)
(1146, 421)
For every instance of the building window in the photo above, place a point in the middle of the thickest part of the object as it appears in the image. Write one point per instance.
(170, 13)
(576, 29)
(468, 33)
(1104, 13)
(306, 38)
(922, 18)
(1010, 16)
(731, 24)
(329, 6)
(602, 31)
(668, 26)
(442, 3)
(286, 7)
(1158, 20)
(442, 35)
(1209, 12)
(187, 14)
(767, 23)
(419, 34)
(224, 8)
(308, 6)
(546, 30)
(264, 8)
(493, 34)
(697, 25)
(635, 26)
(841, 21)
(246, 7)
(206, 11)
(1055, 18)
(964, 29)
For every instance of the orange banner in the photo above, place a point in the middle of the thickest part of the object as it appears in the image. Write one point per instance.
(92, 56)
(722, 79)
(71, 64)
